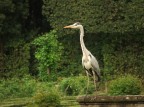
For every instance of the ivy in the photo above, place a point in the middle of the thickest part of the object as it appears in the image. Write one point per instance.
(48, 53)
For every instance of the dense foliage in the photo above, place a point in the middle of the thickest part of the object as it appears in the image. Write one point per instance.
(14, 51)
(47, 96)
(75, 86)
(113, 33)
(13, 88)
(126, 85)
(123, 54)
(48, 53)
(97, 15)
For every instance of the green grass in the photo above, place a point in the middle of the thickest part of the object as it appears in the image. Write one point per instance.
(15, 102)
(67, 101)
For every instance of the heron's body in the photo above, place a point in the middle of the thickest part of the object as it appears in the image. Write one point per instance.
(89, 62)
(86, 62)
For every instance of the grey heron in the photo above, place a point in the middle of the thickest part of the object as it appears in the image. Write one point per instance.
(89, 62)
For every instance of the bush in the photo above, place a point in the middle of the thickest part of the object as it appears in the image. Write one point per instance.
(75, 85)
(28, 87)
(48, 53)
(126, 85)
(47, 96)
(15, 87)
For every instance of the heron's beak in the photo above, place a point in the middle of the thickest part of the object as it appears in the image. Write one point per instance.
(70, 26)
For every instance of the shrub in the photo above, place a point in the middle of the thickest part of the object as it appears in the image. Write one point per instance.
(48, 53)
(28, 87)
(75, 85)
(126, 85)
(15, 87)
(47, 97)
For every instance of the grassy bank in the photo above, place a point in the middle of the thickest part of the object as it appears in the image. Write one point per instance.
(67, 101)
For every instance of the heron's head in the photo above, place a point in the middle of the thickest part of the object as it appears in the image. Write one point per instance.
(76, 25)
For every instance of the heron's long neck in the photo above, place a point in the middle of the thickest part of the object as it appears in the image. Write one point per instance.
(82, 41)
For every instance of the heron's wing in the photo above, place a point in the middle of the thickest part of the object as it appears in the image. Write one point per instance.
(95, 65)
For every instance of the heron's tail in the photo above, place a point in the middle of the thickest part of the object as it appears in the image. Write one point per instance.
(98, 77)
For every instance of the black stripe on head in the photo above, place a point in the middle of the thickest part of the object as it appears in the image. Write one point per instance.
(77, 23)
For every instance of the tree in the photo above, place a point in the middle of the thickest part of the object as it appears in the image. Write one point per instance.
(14, 50)
(96, 15)
(48, 53)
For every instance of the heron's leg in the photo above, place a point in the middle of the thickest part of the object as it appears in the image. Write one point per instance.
(94, 79)
(87, 81)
